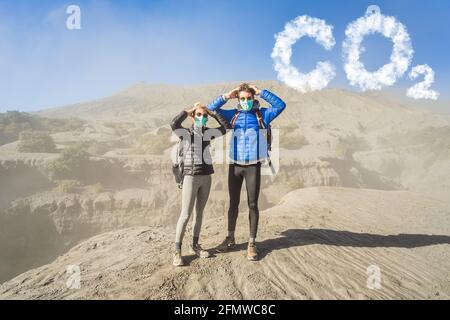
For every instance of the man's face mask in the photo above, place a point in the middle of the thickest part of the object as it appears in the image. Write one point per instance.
(246, 104)
(200, 120)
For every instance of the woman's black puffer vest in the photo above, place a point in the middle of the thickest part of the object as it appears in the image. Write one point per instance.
(196, 143)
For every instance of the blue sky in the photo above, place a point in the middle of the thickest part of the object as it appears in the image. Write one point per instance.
(43, 64)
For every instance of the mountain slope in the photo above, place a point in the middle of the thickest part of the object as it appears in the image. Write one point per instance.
(358, 131)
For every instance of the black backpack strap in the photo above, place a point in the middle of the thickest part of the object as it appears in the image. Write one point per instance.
(262, 125)
(260, 119)
(233, 120)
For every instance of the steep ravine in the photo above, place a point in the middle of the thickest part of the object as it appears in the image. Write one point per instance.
(49, 222)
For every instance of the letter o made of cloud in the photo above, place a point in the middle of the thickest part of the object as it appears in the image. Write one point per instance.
(282, 52)
(400, 59)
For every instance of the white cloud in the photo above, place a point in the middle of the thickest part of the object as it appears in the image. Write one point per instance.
(401, 55)
(282, 53)
(422, 89)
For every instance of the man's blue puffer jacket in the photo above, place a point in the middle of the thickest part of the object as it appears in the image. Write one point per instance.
(248, 144)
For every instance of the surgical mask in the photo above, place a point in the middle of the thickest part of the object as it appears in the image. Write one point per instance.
(200, 121)
(246, 104)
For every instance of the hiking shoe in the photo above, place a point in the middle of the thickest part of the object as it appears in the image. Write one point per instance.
(226, 245)
(252, 252)
(177, 260)
(199, 251)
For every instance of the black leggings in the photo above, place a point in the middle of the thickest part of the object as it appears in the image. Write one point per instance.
(252, 176)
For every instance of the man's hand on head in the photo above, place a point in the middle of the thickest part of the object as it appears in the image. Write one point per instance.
(257, 91)
(233, 94)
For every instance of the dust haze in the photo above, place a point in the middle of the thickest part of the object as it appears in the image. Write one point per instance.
(364, 180)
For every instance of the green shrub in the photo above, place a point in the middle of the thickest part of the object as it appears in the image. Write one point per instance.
(68, 186)
(98, 188)
(12, 123)
(153, 144)
(289, 127)
(294, 182)
(343, 150)
(292, 140)
(120, 128)
(61, 125)
(93, 147)
(36, 141)
(71, 163)
(348, 145)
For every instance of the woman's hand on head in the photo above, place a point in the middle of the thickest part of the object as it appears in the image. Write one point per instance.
(191, 111)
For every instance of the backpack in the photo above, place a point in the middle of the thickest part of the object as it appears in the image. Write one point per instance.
(178, 166)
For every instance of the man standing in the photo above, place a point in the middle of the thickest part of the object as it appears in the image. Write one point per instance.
(249, 148)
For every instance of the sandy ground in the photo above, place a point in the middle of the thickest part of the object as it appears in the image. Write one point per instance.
(318, 243)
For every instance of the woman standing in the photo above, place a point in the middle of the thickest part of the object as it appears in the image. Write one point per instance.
(197, 172)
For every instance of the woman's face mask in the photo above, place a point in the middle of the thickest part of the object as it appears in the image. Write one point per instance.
(200, 120)
(246, 103)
